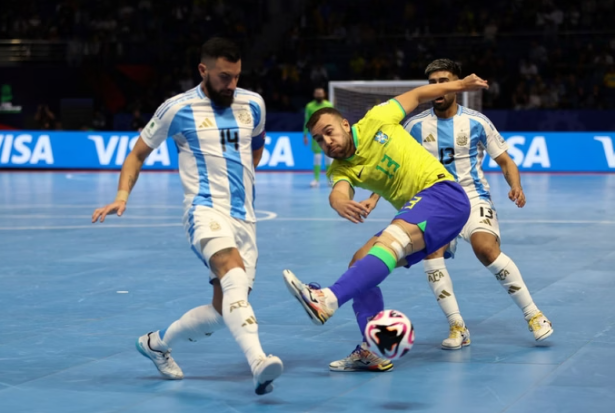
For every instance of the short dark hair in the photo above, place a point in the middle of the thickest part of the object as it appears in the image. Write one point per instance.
(316, 116)
(220, 47)
(443, 64)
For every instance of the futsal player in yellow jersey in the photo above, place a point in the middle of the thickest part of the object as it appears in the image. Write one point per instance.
(378, 154)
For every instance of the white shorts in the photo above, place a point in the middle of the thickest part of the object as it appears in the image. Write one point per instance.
(483, 218)
(217, 231)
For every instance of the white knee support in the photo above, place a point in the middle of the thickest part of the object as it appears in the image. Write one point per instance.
(397, 240)
(212, 245)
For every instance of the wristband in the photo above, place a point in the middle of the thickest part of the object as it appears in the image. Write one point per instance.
(122, 195)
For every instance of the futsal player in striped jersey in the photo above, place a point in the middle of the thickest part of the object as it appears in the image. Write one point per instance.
(219, 130)
(459, 138)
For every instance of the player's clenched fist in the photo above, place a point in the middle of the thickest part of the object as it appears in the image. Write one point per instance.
(473, 82)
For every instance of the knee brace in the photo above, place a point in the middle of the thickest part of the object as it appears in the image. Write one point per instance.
(396, 240)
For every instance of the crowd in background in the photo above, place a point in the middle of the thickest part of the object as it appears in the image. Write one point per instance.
(536, 54)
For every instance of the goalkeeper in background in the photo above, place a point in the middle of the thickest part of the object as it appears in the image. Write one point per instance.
(319, 102)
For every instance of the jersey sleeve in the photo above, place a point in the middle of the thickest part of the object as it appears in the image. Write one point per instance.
(337, 173)
(389, 112)
(259, 112)
(414, 128)
(161, 126)
(493, 141)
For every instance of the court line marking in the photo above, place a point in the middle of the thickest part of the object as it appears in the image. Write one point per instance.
(273, 216)
(522, 221)
(268, 215)
(131, 206)
(126, 216)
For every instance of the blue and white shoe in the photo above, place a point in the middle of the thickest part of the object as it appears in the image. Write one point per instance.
(265, 372)
(161, 358)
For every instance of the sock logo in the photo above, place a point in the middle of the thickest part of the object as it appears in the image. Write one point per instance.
(513, 289)
(501, 276)
(435, 276)
(249, 321)
(239, 304)
(443, 295)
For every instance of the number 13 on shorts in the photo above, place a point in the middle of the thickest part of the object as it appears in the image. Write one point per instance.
(410, 204)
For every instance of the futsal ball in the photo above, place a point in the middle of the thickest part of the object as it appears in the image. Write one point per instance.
(390, 334)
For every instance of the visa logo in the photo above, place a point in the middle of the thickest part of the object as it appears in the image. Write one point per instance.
(25, 149)
(116, 148)
(536, 153)
(282, 152)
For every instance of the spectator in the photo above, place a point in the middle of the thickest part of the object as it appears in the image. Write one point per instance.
(137, 122)
(45, 118)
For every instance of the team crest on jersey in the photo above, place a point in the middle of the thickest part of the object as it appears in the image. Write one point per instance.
(244, 117)
(214, 226)
(462, 139)
(381, 138)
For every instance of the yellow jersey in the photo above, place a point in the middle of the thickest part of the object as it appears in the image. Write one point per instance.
(387, 160)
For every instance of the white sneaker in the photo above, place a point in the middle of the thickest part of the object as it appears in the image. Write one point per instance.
(161, 359)
(314, 183)
(266, 371)
(311, 297)
(362, 359)
(458, 337)
(540, 326)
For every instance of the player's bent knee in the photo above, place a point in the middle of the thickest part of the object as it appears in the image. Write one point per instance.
(396, 240)
(487, 254)
(437, 254)
(221, 254)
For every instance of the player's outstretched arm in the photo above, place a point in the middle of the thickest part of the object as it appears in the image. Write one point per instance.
(512, 176)
(341, 201)
(411, 99)
(128, 177)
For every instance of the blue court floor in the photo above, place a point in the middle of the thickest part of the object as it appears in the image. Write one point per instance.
(75, 296)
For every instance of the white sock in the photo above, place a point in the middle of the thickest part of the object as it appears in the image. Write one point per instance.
(507, 273)
(239, 316)
(195, 324)
(330, 299)
(442, 287)
(317, 159)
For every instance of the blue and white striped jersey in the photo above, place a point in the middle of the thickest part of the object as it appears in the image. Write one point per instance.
(460, 143)
(215, 148)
